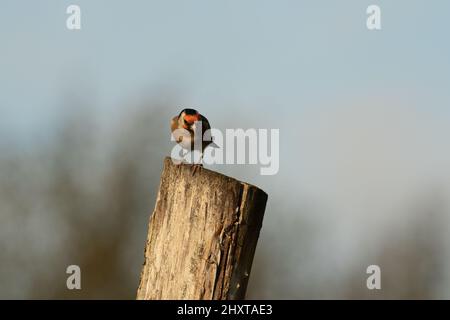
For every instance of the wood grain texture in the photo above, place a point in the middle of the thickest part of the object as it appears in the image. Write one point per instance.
(202, 236)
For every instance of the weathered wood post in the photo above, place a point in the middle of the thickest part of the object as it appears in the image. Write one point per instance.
(202, 236)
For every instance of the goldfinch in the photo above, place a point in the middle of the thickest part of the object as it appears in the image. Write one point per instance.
(189, 120)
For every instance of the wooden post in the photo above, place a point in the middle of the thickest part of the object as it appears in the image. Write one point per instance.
(202, 236)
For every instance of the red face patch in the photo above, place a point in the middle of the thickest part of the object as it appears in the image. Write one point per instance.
(191, 118)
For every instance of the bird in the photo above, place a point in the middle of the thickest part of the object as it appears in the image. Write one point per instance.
(187, 120)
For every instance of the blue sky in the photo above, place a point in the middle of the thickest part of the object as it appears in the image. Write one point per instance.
(214, 54)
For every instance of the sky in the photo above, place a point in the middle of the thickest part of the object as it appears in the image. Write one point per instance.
(217, 55)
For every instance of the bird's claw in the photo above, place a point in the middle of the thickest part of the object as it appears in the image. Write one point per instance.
(195, 168)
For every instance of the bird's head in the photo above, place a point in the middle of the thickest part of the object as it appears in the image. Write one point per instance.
(188, 117)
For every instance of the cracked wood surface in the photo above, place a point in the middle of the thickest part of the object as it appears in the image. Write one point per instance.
(202, 236)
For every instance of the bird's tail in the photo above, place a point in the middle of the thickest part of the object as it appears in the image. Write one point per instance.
(213, 145)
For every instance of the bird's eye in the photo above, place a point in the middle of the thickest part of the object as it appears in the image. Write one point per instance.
(185, 122)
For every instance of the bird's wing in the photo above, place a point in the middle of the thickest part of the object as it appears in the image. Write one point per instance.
(173, 126)
(208, 139)
(205, 126)
(174, 123)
